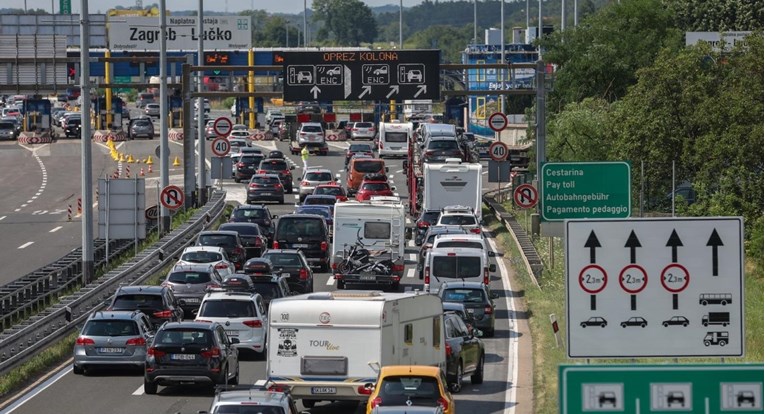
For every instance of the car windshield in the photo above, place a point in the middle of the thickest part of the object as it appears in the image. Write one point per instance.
(283, 259)
(464, 295)
(311, 128)
(406, 390)
(368, 166)
(273, 165)
(458, 220)
(318, 176)
(443, 144)
(395, 136)
(227, 309)
(137, 301)
(375, 186)
(190, 278)
(247, 409)
(455, 267)
(201, 257)
(184, 336)
(249, 213)
(220, 240)
(107, 327)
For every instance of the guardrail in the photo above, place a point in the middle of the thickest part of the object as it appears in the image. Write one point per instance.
(24, 340)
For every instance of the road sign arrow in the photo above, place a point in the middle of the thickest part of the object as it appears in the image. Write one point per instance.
(315, 91)
(592, 242)
(420, 90)
(632, 243)
(365, 90)
(346, 81)
(673, 242)
(714, 242)
(393, 90)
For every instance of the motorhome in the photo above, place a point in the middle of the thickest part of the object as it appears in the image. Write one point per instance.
(393, 139)
(452, 183)
(329, 345)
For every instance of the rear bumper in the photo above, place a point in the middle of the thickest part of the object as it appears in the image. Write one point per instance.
(344, 391)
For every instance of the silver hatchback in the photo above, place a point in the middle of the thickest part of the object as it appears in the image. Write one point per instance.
(112, 338)
(314, 176)
(190, 283)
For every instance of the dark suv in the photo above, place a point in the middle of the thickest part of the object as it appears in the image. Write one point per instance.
(229, 241)
(157, 302)
(278, 166)
(255, 242)
(246, 166)
(464, 352)
(306, 232)
(72, 127)
(259, 215)
(191, 353)
(293, 265)
(438, 149)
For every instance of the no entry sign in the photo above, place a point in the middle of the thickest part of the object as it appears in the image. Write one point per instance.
(222, 126)
(498, 121)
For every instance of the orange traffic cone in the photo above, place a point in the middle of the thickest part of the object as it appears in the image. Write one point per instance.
(151, 170)
(141, 172)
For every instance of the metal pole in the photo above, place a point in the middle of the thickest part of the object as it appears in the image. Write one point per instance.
(475, 21)
(576, 13)
(305, 22)
(539, 27)
(202, 139)
(189, 180)
(527, 18)
(85, 145)
(164, 215)
(286, 34)
(108, 217)
(562, 15)
(540, 127)
(673, 188)
(502, 54)
(135, 216)
(400, 24)
(642, 186)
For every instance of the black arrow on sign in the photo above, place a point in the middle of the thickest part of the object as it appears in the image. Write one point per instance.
(714, 241)
(632, 243)
(592, 242)
(673, 242)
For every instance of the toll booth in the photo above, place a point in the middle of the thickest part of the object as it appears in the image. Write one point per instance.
(37, 114)
(175, 103)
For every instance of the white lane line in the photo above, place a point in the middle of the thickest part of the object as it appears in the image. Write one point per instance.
(24, 205)
(38, 389)
(17, 210)
(55, 229)
(139, 391)
(3, 217)
(331, 281)
(410, 272)
(95, 204)
(512, 372)
(25, 245)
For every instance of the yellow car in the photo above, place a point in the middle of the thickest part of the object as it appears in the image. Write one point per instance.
(411, 385)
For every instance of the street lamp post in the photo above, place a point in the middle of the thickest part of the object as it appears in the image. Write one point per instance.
(400, 24)
(305, 22)
(502, 53)
(475, 20)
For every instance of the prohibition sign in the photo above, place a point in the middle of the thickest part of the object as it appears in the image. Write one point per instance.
(497, 121)
(171, 197)
(221, 146)
(525, 196)
(222, 126)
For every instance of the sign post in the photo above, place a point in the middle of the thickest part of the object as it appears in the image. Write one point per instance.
(498, 152)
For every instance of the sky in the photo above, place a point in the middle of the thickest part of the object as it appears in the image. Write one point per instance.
(234, 6)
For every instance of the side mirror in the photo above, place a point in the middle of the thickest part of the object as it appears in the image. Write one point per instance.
(234, 340)
(491, 254)
(492, 268)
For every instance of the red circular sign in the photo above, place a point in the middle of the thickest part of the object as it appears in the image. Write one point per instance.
(593, 283)
(498, 151)
(222, 126)
(525, 196)
(221, 147)
(675, 278)
(632, 282)
(497, 121)
(171, 197)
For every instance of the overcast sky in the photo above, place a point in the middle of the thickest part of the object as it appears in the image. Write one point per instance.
(234, 6)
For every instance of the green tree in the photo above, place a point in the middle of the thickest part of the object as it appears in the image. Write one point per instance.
(347, 22)
(717, 15)
(451, 40)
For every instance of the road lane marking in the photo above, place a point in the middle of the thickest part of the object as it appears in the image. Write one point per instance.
(55, 229)
(139, 391)
(3, 217)
(33, 391)
(331, 281)
(25, 245)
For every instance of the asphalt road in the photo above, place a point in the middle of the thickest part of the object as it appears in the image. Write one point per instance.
(122, 391)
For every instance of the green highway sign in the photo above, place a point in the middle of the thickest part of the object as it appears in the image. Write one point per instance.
(661, 389)
(65, 6)
(579, 190)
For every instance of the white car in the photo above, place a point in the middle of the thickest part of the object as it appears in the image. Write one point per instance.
(239, 133)
(208, 254)
(242, 314)
(460, 216)
(239, 127)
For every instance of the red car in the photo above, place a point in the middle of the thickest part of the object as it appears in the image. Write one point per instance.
(373, 187)
(331, 189)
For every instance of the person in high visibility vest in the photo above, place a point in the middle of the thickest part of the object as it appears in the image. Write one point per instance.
(304, 155)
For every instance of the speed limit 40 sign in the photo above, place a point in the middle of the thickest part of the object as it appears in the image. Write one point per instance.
(498, 151)
(221, 146)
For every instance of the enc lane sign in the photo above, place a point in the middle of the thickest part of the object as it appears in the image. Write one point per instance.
(361, 75)
(660, 287)
(497, 121)
(221, 146)
(498, 151)
(222, 126)
(172, 197)
(575, 190)
(525, 196)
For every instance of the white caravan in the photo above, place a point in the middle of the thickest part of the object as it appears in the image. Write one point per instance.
(328, 345)
(452, 183)
(393, 140)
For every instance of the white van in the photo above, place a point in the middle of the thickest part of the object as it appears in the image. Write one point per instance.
(328, 345)
(455, 263)
(394, 139)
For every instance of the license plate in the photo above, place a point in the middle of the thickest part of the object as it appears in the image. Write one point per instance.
(265, 193)
(191, 300)
(395, 148)
(471, 311)
(183, 357)
(323, 390)
(300, 246)
(286, 274)
(367, 277)
(232, 333)
(110, 350)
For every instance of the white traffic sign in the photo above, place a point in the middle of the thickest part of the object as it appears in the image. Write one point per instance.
(497, 121)
(498, 151)
(222, 126)
(655, 287)
(221, 146)
(172, 197)
(137, 33)
(525, 196)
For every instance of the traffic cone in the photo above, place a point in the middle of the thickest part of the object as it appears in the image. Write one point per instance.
(122, 157)
(176, 162)
(141, 172)
(110, 142)
(130, 159)
(149, 161)
(150, 169)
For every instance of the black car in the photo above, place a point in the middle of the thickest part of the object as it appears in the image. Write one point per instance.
(157, 302)
(465, 353)
(427, 218)
(246, 166)
(72, 127)
(264, 281)
(438, 149)
(357, 149)
(229, 241)
(191, 353)
(260, 215)
(265, 187)
(255, 242)
(278, 166)
(308, 233)
(293, 265)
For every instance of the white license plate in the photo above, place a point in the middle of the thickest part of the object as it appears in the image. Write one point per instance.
(367, 277)
(232, 333)
(191, 300)
(183, 357)
(111, 350)
(323, 390)
(471, 311)
(265, 193)
(286, 274)
(300, 246)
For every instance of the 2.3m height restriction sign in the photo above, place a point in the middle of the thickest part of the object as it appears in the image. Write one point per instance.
(172, 197)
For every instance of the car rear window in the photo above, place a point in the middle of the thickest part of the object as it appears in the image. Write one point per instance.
(329, 191)
(249, 213)
(455, 267)
(185, 336)
(227, 309)
(247, 409)
(375, 186)
(459, 220)
(318, 176)
(240, 228)
(283, 259)
(325, 201)
(265, 180)
(466, 244)
(368, 166)
(363, 125)
(268, 289)
(360, 148)
(303, 226)
(143, 122)
(220, 240)
(147, 96)
(190, 278)
(110, 328)
(137, 301)
(464, 295)
(431, 216)
(397, 390)
(273, 165)
(250, 158)
(311, 128)
(201, 257)
(318, 211)
(443, 144)
(395, 137)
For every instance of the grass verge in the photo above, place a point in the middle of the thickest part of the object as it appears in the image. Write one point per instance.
(550, 299)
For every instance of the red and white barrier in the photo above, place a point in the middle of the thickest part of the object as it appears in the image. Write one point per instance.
(175, 135)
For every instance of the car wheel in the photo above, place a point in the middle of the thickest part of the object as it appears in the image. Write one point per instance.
(149, 387)
(722, 343)
(584, 325)
(77, 370)
(642, 325)
(624, 325)
(282, 201)
(685, 324)
(477, 377)
(707, 343)
(602, 325)
(456, 386)
(665, 324)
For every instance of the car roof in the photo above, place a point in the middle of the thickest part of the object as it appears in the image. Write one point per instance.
(251, 207)
(227, 294)
(220, 232)
(276, 176)
(188, 324)
(112, 315)
(423, 370)
(192, 267)
(460, 237)
(216, 249)
(320, 196)
(141, 289)
(259, 396)
(284, 251)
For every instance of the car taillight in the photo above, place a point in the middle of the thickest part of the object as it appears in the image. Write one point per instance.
(302, 134)
(260, 172)
(305, 183)
(240, 165)
(448, 350)
(277, 388)
(398, 267)
(136, 341)
(84, 341)
(256, 323)
(443, 403)
(423, 224)
(276, 244)
(377, 401)
(486, 276)
(324, 246)
(476, 230)
(258, 243)
(429, 152)
(338, 276)
(277, 186)
(286, 172)
(154, 352)
(363, 390)
(202, 321)
(427, 275)
(488, 310)
(238, 250)
(304, 274)
(253, 185)
(214, 352)
(354, 129)
(165, 314)
(221, 266)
